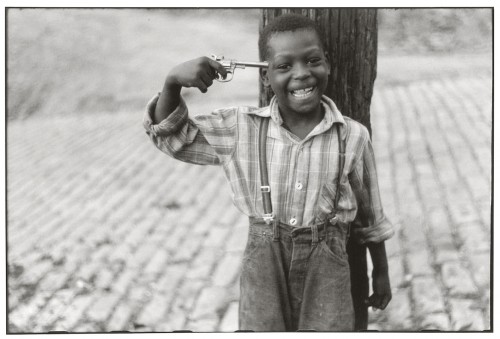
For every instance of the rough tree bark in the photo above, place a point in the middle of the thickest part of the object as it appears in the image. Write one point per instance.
(351, 42)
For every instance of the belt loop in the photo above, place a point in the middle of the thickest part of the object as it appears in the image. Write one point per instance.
(314, 231)
(276, 231)
(325, 227)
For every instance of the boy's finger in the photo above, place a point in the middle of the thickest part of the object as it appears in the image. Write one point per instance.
(370, 301)
(207, 80)
(211, 73)
(385, 301)
(374, 301)
(201, 86)
(218, 67)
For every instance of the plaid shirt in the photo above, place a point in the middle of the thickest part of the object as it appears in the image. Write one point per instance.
(302, 173)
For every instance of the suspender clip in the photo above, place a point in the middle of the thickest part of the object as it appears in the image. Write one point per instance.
(265, 189)
(334, 220)
(268, 217)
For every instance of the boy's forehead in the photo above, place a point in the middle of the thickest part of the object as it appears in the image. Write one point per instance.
(288, 40)
(295, 35)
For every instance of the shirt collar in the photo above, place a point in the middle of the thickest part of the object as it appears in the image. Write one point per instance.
(332, 115)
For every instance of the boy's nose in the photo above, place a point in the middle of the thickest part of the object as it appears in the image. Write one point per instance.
(301, 72)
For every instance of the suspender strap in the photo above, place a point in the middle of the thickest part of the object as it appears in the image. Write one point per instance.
(341, 164)
(264, 178)
(342, 146)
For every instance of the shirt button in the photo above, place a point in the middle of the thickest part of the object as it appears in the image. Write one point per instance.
(298, 186)
(293, 221)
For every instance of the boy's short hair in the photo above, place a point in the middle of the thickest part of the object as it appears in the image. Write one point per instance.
(286, 23)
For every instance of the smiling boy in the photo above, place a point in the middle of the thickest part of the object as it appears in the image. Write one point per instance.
(317, 170)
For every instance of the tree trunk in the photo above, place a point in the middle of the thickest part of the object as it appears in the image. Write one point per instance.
(351, 43)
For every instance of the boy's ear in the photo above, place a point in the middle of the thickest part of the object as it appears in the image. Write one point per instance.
(264, 77)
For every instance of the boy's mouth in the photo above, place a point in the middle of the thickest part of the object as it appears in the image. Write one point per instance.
(302, 93)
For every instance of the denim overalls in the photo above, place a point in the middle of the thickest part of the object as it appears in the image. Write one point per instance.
(295, 278)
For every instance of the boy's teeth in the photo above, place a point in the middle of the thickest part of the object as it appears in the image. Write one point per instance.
(302, 92)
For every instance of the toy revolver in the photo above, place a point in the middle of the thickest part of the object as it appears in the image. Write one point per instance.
(231, 65)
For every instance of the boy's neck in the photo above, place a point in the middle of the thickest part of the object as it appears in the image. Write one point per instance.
(301, 125)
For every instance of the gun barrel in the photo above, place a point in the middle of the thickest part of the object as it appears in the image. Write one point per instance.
(252, 64)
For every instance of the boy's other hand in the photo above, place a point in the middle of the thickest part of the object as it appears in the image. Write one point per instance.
(381, 290)
(198, 73)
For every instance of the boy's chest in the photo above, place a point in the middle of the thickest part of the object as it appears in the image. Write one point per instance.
(315, 161)
(298, 132)
(304, 165)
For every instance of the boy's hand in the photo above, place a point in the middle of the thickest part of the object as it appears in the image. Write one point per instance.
(198, 73)
(381, 290)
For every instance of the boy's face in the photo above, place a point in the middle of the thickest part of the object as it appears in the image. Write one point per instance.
(298, 71)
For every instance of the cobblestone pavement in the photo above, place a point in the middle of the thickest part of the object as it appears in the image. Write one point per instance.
(105, 233)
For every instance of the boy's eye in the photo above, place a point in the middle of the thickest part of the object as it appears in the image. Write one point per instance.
(314, 60)
(283, 66)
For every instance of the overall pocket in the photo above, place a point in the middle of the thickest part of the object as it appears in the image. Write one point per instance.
(335, 248)
(254, 242)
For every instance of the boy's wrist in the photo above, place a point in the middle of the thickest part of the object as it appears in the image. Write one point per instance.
(381, 269)
(379, 258)
(171, 84)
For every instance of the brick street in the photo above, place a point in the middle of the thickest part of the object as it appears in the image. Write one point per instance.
(106, 233)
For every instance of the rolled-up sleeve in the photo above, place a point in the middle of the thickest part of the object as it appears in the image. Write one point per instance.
(204, 140)
(168, 126)
(375, 227)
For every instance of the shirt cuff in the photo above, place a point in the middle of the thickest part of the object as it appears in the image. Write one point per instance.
(376, 233)
(171, 124)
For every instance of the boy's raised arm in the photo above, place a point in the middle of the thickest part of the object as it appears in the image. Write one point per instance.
(198, 73)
